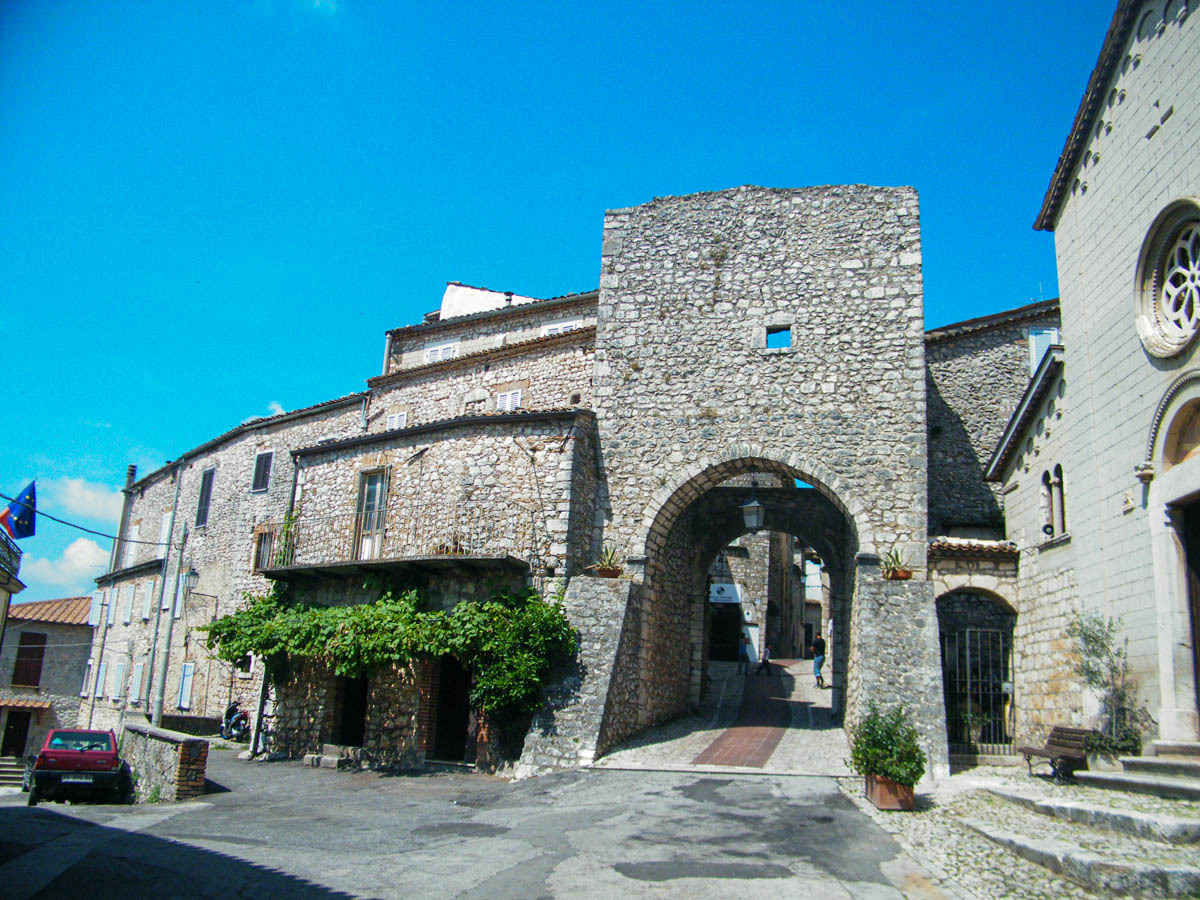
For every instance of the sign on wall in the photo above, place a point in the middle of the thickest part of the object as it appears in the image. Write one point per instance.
(725, 593)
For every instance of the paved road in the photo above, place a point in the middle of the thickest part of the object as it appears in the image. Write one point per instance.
(279, 829)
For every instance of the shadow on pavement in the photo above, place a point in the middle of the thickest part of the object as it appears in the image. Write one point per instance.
(49, 855)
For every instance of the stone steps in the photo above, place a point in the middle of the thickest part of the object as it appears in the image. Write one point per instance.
(1152, 826)
(1171, 787)
(1179, 766)
(1190, 749)
(12, 770)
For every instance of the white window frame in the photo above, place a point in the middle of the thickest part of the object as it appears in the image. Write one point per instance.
(553, 328)
(186, 675)
(396, 421)
(439, 352)
(508, 401)
(257, 563)
(248, 672)
(1043, 337)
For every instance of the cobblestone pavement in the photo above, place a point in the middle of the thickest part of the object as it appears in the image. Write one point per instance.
(813, 745)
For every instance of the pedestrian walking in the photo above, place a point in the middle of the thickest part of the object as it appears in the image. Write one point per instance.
(743, 655)
(764, 667)
(818, 655)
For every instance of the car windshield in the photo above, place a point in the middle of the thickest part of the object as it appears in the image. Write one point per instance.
(80, 740)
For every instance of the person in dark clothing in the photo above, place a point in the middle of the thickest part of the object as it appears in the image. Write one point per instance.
(743, 655)
(818, 654)
(764, 667)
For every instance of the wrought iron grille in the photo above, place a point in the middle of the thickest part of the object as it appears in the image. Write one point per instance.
(977, 678)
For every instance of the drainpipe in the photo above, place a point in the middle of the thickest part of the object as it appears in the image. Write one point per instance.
(387, 352)
(103, 626)
(162, 586)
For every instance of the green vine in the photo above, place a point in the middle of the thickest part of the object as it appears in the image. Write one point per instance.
(511, 642)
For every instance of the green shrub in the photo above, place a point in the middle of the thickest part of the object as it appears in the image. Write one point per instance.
(1128, 742)
(886, 744)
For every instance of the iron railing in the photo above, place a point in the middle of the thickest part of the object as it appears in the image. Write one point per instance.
(411, 532)
(10, 554)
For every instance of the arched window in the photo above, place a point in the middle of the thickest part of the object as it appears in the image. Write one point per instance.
(1048, 517)
(1168, 281)
(1059, 504)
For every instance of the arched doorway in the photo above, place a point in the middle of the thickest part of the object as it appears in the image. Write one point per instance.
(975, 632)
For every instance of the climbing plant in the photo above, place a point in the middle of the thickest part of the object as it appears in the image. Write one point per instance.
(510, 642)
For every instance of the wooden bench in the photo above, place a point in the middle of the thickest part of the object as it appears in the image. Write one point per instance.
(1065, 750)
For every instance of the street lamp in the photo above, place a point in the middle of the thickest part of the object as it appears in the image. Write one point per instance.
(753, 512)
(190, 580)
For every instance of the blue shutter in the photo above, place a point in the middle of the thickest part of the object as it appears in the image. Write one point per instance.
(185, 685)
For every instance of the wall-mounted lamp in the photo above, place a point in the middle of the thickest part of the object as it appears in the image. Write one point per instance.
(753, 512)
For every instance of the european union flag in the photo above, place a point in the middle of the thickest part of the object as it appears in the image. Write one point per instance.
(18, 517)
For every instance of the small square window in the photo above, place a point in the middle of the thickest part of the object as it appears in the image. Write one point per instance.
(441, 352)
(779, 337)
(396, 421)
(507, 401)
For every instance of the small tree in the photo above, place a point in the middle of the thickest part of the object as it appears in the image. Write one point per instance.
(887, 744)
(1103, 664)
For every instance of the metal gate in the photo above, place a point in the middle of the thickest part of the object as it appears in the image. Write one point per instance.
(977, 678)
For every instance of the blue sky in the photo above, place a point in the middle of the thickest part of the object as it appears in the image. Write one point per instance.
(211, 211)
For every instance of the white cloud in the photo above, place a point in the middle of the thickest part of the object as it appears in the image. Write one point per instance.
(276, 408)
(68, 497)
(82, 561)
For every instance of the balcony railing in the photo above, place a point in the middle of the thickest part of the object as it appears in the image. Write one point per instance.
(408, 533)
(10, 554)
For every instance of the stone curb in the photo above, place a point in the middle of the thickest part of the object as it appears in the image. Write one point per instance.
(712, 770)
(1095, 872)
(1171, 829)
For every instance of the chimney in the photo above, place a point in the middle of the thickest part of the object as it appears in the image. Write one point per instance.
(130, 476)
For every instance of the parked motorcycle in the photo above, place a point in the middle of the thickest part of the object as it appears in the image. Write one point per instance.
(236, 724)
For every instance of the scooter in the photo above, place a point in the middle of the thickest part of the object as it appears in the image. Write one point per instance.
(236, 725)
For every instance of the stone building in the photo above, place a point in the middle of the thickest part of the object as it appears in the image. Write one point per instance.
(43, 663)
(1098, 463)
(750, 343)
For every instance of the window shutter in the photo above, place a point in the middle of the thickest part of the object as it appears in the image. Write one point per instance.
(135, 687)
(147, 599)
(100, 673)
(206, 487)
(180, 589)
(118, 680)
(128, 592)
(167, 595)
(185, 685)
(262, 472)
(27, 671)
(129, 549)
(87, 679)
(164, 533)
(397, 420)
(111, 597)
(94, 612)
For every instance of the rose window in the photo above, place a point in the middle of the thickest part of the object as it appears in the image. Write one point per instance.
(1168, 314)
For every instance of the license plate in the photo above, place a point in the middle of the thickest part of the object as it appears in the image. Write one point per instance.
(77, 779)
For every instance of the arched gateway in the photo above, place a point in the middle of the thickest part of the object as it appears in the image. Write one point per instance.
(754, 331)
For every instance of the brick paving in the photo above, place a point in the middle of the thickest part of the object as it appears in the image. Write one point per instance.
(764, 715)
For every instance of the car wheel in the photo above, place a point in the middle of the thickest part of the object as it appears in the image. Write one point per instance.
(33, 796)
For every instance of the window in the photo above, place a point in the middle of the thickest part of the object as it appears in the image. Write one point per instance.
(164, 533)
(27, 672)
(127, 594)
(264, 544)
(1047, 506)
(87, 679)
(185, 685)
(372, 511)
(244, 667)
(779, 337)
(507, 401)
(396, 421)
(561, 327)
(118, 687)
(111, 599)
(206, 486)
(1040, 340)
(262, 473)
(147, 590)
(1054, 514)
(1060, 509)
(135, 686)
(129, 547)
(1168, 280)
(440, 352)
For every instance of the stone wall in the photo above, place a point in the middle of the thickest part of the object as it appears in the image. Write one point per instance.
(556, 373)
(64, 663)
(975, 378)
(166, 765)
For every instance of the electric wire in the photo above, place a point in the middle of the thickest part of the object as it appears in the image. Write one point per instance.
(111, 537)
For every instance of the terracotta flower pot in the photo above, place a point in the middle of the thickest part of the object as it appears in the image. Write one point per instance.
(886, 794)
(899, 575)
(608, 571)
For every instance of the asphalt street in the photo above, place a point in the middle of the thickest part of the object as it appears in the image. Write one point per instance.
(283, 830)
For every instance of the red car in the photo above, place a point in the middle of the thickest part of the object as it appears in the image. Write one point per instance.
(76, 763)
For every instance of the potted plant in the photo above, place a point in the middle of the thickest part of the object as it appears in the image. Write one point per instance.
(608, 564)
(895, 567)
(885, 751)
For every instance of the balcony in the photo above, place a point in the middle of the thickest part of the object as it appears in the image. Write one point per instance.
(10, 554)
(415, 539)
